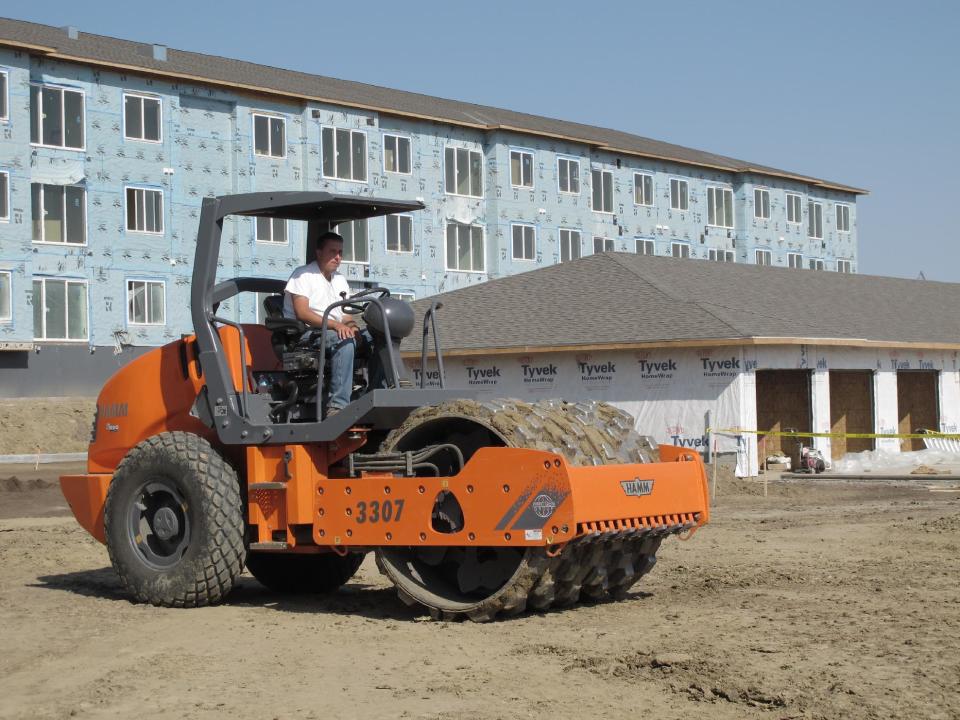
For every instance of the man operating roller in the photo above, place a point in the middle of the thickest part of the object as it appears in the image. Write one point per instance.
(309, 291)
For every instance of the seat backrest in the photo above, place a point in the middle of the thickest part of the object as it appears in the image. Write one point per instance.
(273, 306)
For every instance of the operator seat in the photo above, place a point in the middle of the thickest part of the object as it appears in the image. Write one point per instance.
(287, 332)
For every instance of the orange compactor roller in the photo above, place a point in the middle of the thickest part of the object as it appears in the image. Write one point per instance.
(215, 451)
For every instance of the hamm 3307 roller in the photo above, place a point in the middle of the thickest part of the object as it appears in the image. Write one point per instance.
(214, 452)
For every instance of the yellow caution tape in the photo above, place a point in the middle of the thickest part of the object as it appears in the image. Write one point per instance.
(784, 433)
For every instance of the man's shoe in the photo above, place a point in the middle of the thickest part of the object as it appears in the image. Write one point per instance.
(333, 411)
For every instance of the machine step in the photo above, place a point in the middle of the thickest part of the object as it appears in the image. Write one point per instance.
(268, 546)
(267, 486)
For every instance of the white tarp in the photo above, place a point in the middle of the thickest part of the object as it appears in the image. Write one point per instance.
(668, 392)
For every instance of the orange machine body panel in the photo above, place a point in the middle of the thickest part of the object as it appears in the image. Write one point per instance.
(509, 496)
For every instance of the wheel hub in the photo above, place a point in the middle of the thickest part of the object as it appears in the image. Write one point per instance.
(165, 523)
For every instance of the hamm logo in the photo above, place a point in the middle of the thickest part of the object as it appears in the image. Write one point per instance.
(637, 487)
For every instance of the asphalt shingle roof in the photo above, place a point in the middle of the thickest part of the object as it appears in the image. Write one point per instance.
(624, 299)
(98, 49)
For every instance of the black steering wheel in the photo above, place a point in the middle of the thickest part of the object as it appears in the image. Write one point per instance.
(380, 292)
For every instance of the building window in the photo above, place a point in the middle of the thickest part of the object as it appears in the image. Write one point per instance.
(465, 247)
(271, 230)
(793, 208)
(141, 117)
(816, 264)
(407, 297)
(355, 248)
(720, 207)
(795, 261)
(56, 117)
(463, 170)
(764, 257)
(59, 213)
(844, 266)
(568, 175)
(396, 154)
(721, 255)
(602, 244)
(602, 191)
(642, 189)
(569, 244)
(399, 233)
(4, 104)
(145, 302)
(761, 204)
(144, 210)
(524, 242)
(269, 136)
(6, 296)
(646, 247)
(815, 220)
(59, 309)
(678, 195)
(843, 218)
(521, 168)
(344, 154)
(680, 250)
(4, 196)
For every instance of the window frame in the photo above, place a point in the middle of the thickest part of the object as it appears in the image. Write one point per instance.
(5, 197)
(811, 205)
(270, 117)
(684, 246)
(6, 319)
(273, 221)
(523, 240)
(43, 279)
(147, 282)
(483, 246)
(5, 96)
(521, 152)
(758, 194)
(83, 123)
(43, 206)
(799, 261)
(570, 243)
(728, 256)
(386, 234)
(685, 196)
(142, 97)
(126, 216)
(724, 192)
(816, 264)
(788, 197)
(604, 239)
(570, 161)
(646, 242)
(764, 253)
(653, 190)
(848, 263)
(446, 181)
(593, 191)
(397, 137)
(366, 164)
(838, 207)
(353, 240)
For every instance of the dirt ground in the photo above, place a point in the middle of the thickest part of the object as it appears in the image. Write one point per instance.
(65, 427)
(823, 600)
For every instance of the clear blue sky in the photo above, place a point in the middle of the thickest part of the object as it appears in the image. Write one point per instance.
(862, 93)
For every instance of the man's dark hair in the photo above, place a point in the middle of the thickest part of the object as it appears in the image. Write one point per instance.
(327, 237)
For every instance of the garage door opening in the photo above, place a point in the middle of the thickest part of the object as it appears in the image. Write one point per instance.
(851, 410)
(918, 404)
(783, 403)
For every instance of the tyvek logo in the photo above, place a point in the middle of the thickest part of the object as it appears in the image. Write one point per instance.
(662, 370)
(482, 376)
(533, 374)
(637, 487)
(720, 368)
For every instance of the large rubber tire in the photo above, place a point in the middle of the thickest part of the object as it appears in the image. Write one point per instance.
(293, 574)
(200, 496)
(585, 433)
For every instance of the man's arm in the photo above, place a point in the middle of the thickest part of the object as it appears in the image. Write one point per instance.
(301, 308)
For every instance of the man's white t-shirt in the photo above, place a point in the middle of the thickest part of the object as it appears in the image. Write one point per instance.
(320, 292)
